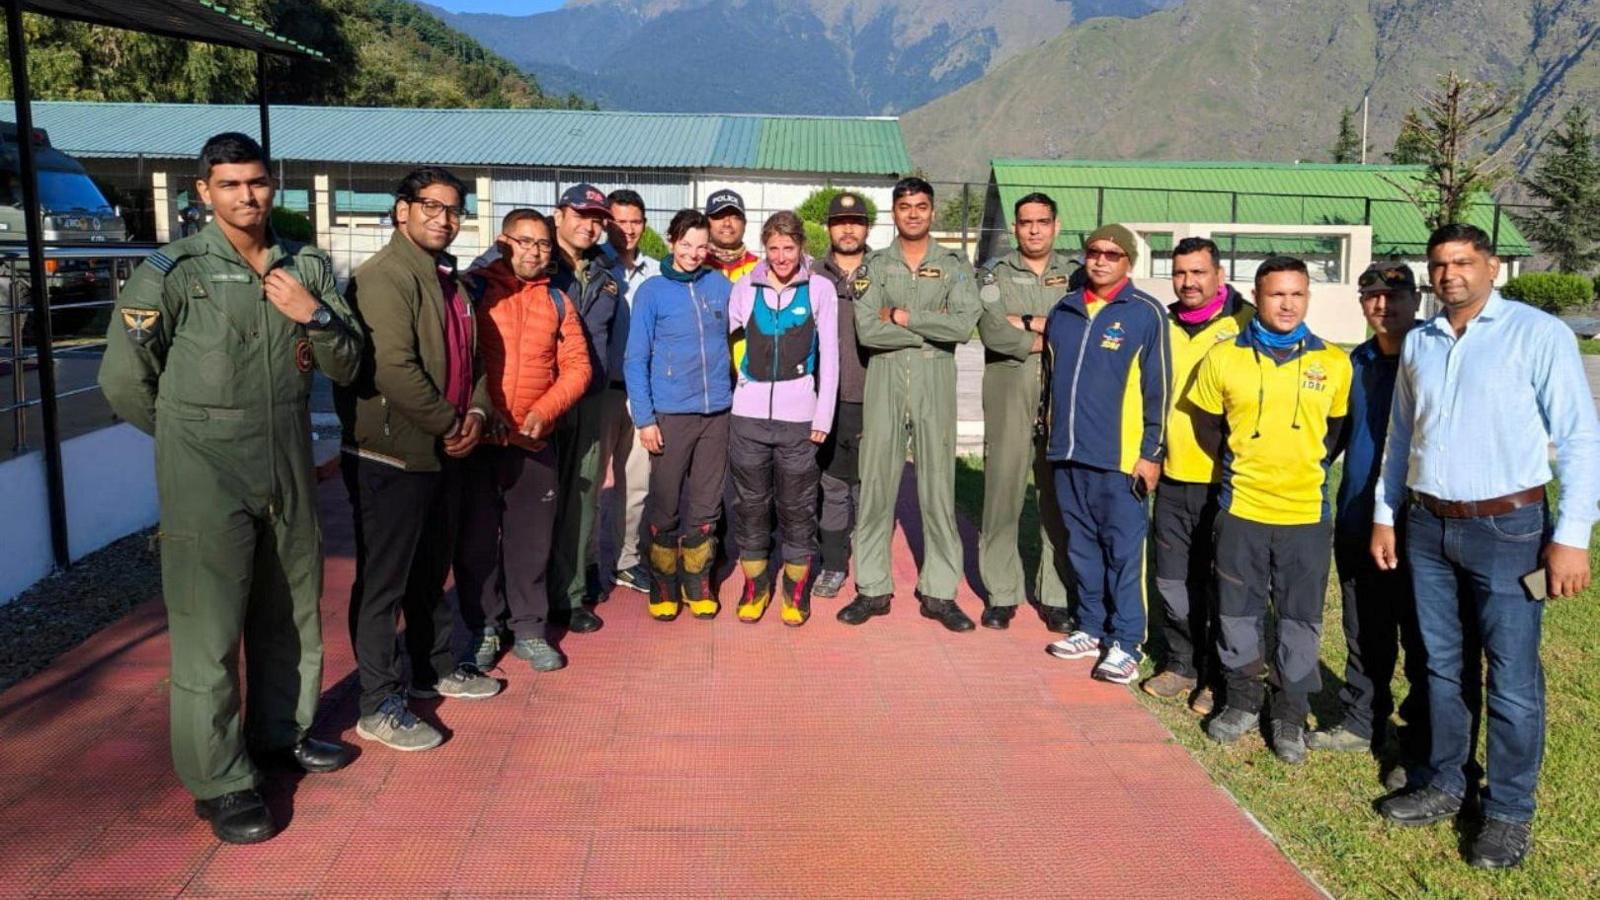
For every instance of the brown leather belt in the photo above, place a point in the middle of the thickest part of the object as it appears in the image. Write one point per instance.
(1474, 509)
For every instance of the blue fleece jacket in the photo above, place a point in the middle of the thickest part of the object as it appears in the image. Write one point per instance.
(1108, 380)
(678, 359)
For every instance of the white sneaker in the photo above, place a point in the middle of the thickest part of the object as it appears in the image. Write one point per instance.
(1077, 645)
(1118, 667)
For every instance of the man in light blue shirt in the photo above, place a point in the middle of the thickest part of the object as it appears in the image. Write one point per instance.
(1485, 388)
(624, 463)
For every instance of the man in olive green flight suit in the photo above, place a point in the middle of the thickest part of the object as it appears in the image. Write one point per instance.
(1018, 291)
(914, 303)
(211, 350)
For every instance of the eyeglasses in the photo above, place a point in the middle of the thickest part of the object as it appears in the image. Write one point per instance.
(431, 209)
(525, 244)
(1107, 255)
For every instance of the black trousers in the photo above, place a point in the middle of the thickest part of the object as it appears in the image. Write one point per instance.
(405, 525)
(690, 472)
(840, 486)
(1182, 523)
(774, 464)
(507, 528)
(1377, 606)
(1286, 566)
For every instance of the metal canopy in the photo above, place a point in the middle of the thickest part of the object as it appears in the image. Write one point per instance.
(194, 20)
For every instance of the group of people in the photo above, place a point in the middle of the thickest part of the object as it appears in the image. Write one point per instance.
(763, 407)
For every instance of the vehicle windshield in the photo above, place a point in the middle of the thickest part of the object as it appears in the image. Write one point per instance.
(63, 191)
(60, 191)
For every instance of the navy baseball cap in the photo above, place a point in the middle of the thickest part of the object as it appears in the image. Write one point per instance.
(847, 205)
(585, 197)
(724, 200)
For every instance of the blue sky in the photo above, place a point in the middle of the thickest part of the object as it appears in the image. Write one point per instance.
(507, 7)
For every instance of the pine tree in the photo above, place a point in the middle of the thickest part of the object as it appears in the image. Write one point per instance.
(1567, 178)
(1458, 121)
(1347, 148)
(1411, 144)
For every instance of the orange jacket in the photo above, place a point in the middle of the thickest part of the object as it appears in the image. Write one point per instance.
(529, 369)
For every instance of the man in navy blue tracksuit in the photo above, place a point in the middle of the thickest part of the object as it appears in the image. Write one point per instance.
(1110, 368)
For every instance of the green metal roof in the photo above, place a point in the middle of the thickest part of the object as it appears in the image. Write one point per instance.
(195, 20)
(1091, 192)
(515, 137)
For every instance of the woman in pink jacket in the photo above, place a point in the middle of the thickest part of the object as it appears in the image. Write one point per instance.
(783, 400)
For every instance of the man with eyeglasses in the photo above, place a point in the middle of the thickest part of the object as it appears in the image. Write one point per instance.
(417, 408)
(1279, 394)
(623, 460)
(583, 272)
(1109, 373)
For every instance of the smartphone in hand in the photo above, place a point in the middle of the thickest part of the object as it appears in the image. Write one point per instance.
(1537, 584)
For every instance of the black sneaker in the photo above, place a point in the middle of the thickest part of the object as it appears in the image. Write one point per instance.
(1501, 844)
(1423, 806)
(1231, 724)
(1289, 742)
(636, 578)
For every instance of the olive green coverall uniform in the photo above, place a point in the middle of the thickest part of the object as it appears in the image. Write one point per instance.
(911, 394)
(198, 357)
(1012, 383)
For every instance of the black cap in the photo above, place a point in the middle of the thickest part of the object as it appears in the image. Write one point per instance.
(846, 205)
(584, 197)
(1381, 277)
(724, 200)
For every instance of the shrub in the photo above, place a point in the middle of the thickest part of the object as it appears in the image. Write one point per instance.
(652, 244)
(292, 224)
(815, 207)
(817, 242)
(1551, 291)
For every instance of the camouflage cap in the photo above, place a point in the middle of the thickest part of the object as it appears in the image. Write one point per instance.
(1382, 277)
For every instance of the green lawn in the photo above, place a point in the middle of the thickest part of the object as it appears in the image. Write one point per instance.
(1321, 812)
(1590, 346)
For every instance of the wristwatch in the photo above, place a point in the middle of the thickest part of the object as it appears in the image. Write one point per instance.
(322, 318)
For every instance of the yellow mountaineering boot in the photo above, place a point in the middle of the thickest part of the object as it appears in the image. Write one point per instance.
(757, 589)
(694, 572)
(663, 577)
(795, 607)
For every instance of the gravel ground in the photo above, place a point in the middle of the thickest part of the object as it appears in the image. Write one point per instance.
(64, 609)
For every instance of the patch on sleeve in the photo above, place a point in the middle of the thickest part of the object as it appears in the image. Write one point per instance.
(862, 280)
(986, 277)
(302, 356)
(161, 262)
(140, 324)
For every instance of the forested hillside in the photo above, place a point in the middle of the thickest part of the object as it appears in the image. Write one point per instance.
(380, 53)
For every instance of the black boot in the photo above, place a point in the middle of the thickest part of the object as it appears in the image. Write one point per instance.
(946, 612)
(864, 607)
(237, 818)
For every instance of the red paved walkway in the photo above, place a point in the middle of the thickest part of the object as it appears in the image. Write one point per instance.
(688, 758)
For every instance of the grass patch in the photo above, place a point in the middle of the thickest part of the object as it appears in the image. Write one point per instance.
(1320, 813)
(1589, 346)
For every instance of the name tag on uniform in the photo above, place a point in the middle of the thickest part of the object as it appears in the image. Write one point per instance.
(1022, 279)
(230, 278)
(1055, 281)
(930, 272)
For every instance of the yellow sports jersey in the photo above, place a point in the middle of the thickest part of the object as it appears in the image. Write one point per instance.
(1275, 419)
(1193, 455)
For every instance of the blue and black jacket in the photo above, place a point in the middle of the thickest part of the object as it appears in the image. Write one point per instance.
(1107, 380)
(677, 359)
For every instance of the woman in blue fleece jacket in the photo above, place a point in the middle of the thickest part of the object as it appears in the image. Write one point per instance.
(680, 387)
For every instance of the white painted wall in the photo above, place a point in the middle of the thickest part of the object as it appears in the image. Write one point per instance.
(111, 493)
(765, 193)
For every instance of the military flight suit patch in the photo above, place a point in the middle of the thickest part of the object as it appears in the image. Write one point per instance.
(862, 281)
(930, 272)
(140, 324)
(302, 356)
(197, 290)
(1055, 281)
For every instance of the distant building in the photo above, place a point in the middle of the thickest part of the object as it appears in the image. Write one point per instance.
(1336, 217)
(339, 165)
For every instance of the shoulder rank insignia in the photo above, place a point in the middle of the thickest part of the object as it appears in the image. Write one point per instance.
(986, 277)
(160, 262)
(140, 324)
(1055, 281)
(930, 272)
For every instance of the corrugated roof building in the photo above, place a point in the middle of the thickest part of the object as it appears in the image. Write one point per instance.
(1336, 217)
(340, 164)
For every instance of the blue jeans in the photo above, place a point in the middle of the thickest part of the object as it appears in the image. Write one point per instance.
(1465, 574)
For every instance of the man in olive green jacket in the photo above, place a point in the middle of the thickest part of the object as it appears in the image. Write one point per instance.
(915, 302)
(210, 349)
(418, 406)
(1018, 291)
